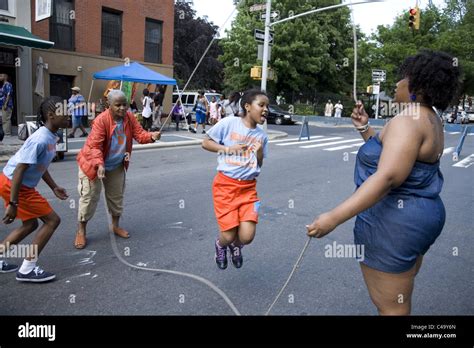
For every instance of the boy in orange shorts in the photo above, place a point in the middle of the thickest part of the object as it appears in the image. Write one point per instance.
(17, 188)
(241, 146)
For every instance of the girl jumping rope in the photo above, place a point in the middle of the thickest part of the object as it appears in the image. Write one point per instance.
(241, 146)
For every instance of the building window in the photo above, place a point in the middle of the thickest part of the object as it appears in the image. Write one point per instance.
(111, 33)
(153, 41)
(61, 30)
(4, 5)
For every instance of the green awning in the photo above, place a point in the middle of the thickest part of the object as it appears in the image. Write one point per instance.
(18, 36)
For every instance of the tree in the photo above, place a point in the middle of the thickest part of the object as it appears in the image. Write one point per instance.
(309, 54)
(192, 36)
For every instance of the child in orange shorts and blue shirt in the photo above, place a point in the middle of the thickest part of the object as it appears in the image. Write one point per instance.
(241, 146)
(17, 188)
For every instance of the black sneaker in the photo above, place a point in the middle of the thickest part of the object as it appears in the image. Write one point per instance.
(192, 130)
(7, 268)
(203, 132)
(84, 135)
(70, 136)
(37, 275)
(221, 256)
(236, 256)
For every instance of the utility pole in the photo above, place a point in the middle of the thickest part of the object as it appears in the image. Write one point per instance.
(266, 46)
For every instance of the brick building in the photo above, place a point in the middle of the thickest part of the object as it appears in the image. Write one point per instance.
(92, 35)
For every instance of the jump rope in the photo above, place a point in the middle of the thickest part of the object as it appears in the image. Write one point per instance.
(202, 280)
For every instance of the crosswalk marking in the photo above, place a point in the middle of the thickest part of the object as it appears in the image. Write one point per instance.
(465, 163)
(309, 141)
(448, 150)
(331, 143)
(289, 140)
(343, 147)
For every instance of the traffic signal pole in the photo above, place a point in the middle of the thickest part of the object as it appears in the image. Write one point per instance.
(266, 46)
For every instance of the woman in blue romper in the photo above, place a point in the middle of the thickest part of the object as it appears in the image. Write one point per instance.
(398, 178)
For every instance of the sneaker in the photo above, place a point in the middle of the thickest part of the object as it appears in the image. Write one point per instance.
(236, 256)
(7, 268)
(84, 135)
(203, 132)
(37, 275)
(192, 130)
(221, 256)
(70, 136)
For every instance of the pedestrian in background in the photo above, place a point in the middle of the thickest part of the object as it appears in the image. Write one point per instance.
(338, 107)
(104, 158)
(241, 146)
(78, 109)
(147, 112)
(397, 202)
(328, 109)
(6, 104)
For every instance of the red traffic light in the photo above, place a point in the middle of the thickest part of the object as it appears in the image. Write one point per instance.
(413, 12)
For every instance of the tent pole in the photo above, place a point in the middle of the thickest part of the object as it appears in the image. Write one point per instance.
(90, 92)
(121, 83)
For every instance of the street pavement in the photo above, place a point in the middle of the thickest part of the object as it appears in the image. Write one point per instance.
(169, 214)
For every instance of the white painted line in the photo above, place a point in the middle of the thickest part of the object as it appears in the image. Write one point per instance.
(448, 150)
(454, 133)
(343, 147)
(292, 139)
(327, 144)
(179, 136)
(355, 152)
(309, 141)
(465, 163)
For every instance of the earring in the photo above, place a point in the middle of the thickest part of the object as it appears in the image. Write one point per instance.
(413, 97)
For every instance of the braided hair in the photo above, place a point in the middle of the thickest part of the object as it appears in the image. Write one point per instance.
(48, 105)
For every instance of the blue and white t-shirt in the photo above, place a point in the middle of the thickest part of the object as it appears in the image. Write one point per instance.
(38, 151)
(232, 131)
(117, 147)
(74, 101)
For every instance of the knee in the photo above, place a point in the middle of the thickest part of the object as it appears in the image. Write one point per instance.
(246, 240)
(229, 238)
(53, 220)
(33, 225)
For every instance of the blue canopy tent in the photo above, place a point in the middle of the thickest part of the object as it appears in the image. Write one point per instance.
(133, 72)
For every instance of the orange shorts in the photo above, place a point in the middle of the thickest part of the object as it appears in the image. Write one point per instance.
(234, 201)
(31, 204)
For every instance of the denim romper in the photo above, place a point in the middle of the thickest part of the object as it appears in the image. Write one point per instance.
(406, 222)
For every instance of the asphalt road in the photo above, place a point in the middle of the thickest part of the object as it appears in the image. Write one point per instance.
(169, 214)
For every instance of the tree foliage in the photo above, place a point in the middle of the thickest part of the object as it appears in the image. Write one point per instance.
(192, 36)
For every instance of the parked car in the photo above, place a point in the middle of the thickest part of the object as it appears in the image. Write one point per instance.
(457, 117)
(278, 116)
(470, 115)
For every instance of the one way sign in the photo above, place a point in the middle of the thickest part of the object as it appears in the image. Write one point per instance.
(260, 36)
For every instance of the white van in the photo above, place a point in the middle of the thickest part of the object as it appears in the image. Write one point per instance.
(188, 99)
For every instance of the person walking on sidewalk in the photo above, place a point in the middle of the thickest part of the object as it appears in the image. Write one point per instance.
(6, 104)
(397, 174)
(17, 188)
(147, 113)
(338, 107)
(104, 159)
(201, 108)
(77, 105)
(241, 146)
(328, 109)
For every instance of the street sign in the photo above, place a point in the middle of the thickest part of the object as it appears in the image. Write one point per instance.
(260, 53)
(260, 36)
(376, 89)
(379, 75)
(274, 15)
(258, 7)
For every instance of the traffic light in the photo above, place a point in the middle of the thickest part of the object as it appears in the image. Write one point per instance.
(414, 18)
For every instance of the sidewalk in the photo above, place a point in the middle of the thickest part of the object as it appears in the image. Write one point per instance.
(170, 138)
